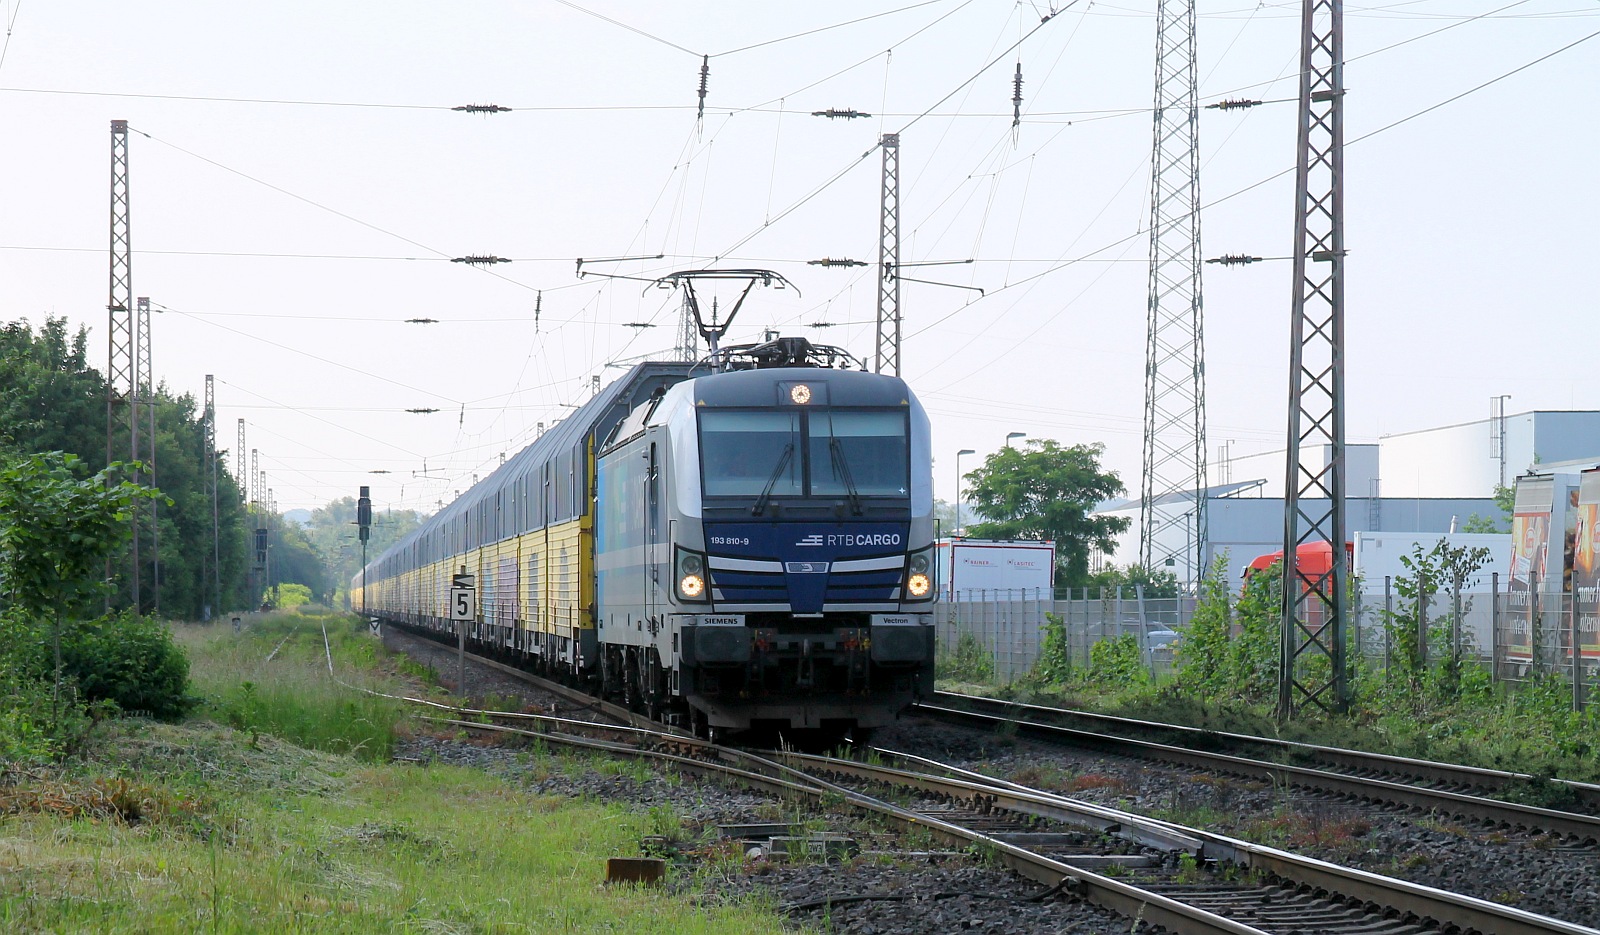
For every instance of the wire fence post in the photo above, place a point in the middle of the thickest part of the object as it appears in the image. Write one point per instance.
(1388, 619)
(1572, 652)
(1455, 631)
(1535, 623)
(1144, 632)
(1422, 627)
(1494, 627)
(1355, 628)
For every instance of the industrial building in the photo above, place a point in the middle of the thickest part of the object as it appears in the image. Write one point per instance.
(1432, 480)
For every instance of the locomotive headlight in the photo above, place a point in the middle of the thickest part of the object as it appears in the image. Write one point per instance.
(691, 576)
(919, 581)
(800, 394)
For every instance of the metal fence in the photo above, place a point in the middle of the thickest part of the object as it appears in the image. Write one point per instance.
(1517, 636)
(1008, 626)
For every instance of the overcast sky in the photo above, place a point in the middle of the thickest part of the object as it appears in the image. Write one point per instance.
(299, 184)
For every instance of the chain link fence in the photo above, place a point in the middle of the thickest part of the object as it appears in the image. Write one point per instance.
(1517, 634)
(1004, 629)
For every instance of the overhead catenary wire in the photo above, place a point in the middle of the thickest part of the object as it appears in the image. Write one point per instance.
(1248, 188)
(1101, 259)
(483, 268)
(11, 24)
(317, 357)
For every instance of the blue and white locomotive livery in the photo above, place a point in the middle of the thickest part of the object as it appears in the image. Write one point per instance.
(738, 550)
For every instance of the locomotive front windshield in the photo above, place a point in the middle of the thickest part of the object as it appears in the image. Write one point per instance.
(819, 452)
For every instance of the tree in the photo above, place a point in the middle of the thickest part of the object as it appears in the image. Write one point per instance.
(1505, 498)
(1046, 491)
(52, 400)
(56, 531)
(333, 531)
(1161, 583)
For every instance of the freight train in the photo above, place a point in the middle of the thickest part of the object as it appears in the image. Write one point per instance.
(738, 550)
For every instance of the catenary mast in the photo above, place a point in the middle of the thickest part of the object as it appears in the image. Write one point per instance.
(1175, 387)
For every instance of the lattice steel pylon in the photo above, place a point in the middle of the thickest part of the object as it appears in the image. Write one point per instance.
(1174, 375)
(886, 354)
(122, 373)
(212, 457)
(241, 477)
(1315, 605)
(688, 347)
(258, 561)
(145, 367)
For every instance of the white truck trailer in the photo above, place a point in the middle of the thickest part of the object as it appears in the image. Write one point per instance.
(996, 569)
(1378, 554)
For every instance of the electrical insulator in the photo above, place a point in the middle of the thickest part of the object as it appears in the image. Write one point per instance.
(1232, 105)
(705, 77)
(1016, 97)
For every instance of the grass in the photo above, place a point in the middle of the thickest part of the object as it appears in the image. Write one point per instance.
(1529, 732)
(294, 820)
(278, 838)
(291, 696)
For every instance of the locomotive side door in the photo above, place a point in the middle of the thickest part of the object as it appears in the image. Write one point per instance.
(652, 539)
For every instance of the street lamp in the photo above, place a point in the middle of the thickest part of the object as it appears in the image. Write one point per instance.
(1015, 435)
(959, 454)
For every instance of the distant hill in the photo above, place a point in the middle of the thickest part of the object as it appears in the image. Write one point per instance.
(301, 518)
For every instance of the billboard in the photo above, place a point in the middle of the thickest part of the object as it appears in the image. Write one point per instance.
(977, 568)
(1530, 548)
(1586, 565)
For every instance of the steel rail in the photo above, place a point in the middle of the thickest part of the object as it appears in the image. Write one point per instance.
(1588, 794)
(1465, 913)
(1123, 898)
(614, 711)
(1454, 804)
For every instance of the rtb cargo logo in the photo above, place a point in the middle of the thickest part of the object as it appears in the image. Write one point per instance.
(852, 539)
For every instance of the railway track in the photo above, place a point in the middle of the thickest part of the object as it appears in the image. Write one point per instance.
(1424, 785)
(1184, 880)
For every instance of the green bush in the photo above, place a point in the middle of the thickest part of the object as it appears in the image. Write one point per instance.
(292, 595)
(130, 661)
(1203, 655)
(970, 662)
(1117, 662)
(36, 724)
(1054, 665)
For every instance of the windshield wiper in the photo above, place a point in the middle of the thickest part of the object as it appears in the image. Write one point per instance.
(777, 472)
(842, 468)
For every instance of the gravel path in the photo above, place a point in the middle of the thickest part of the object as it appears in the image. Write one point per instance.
(1529, 871)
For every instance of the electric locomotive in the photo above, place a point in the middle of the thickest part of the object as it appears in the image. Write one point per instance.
(764, 547)
(748, 548)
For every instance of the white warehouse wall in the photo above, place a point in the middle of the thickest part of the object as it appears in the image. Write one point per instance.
(1453, 460)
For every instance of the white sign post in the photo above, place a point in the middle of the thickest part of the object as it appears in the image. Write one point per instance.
(463, 607)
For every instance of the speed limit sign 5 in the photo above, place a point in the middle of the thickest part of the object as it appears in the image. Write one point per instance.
(463, 603)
